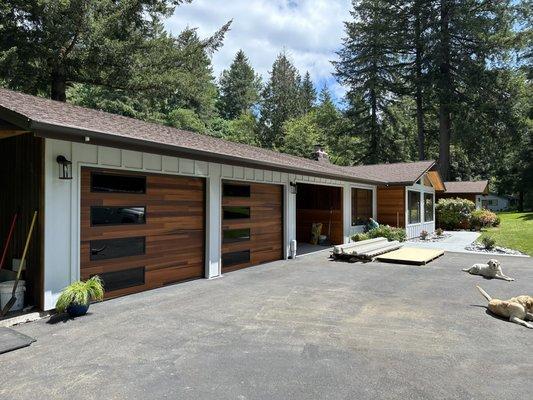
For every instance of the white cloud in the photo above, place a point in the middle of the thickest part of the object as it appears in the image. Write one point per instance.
(310, 31)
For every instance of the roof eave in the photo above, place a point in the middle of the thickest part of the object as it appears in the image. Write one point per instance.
(61, 132)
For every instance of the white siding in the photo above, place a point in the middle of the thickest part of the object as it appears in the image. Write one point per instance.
(414, 230)
(62, 199)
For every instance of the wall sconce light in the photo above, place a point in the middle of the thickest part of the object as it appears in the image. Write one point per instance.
(65, 167)
(294, 188)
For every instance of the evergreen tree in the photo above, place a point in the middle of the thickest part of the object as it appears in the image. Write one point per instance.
(307, 94)
(368, 68)
(47, 45)
(239, 88)
(280, 101)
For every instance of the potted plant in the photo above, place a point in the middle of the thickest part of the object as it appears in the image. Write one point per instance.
(76, 297)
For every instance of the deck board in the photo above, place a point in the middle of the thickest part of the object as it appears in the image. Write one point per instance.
(410, 255)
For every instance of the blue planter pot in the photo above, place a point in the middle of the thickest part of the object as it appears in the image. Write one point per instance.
(77, 310)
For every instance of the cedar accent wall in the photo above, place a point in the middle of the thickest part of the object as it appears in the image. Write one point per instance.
(313, 204)
(21, 187)
(391, 205)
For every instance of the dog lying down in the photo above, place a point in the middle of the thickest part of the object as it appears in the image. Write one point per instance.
(491, 269)
(517, 310)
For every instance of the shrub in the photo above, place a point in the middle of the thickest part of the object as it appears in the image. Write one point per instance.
(80, 293)
(388, 232)
(454, 213)
(482, 219)
(439, 231)
(424, 235)
(360, 236)
(489, 242)
(497, 221)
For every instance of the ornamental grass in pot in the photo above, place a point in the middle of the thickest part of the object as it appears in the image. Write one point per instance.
(76, 297)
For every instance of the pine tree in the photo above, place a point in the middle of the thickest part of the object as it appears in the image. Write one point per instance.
(307, 94)
(239, 88)
(368, 67)
(280, 101)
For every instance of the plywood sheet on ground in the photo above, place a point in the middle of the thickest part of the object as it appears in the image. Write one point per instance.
(410, 255)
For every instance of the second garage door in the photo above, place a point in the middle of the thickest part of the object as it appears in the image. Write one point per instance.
(252, 224)
(141, 231)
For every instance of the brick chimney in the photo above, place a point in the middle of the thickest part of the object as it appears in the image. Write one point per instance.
(320, 155)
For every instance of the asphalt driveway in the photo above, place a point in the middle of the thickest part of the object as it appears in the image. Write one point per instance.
(303, 329)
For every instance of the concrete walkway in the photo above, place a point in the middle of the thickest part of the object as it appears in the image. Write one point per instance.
(456, 242)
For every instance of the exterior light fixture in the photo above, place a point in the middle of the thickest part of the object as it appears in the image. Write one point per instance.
(294, 188)
(65, 167)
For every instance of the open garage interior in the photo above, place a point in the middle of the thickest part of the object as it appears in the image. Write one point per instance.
(141, 231)
(21, 180)
(252, 224)
(319, 204)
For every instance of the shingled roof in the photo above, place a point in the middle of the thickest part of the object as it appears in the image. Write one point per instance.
(405, 173)
(477, 187)
(65, 121)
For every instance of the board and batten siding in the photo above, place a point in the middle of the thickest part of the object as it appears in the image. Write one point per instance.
(62, 202)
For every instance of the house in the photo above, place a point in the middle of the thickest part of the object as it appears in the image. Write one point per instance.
(145, 205)
(494, 202)
(469, 190)
(407, 200)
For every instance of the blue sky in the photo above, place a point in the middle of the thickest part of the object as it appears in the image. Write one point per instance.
(310, 31)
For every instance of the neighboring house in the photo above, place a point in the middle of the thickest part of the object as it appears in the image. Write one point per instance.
(469, 190)
(145, 205)
(408, 199)
(494, 202)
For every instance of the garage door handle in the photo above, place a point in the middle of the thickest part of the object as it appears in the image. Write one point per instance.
(95, 252)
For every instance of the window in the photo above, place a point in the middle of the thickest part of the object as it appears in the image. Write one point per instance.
(117, 215)
(235, 190)
(109, 183)
(413, 206)
(235, 212)
(235, 258)
(428, 207)
(235, 235)
(115, 248)
(361, 206)
(122, 279)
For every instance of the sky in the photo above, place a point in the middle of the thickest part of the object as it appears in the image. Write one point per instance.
(309, 31)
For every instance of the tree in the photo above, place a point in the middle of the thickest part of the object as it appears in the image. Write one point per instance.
(368, 66)
(307, 94)
(280, 101)
(240, 88)
(300, 135)
(47, 45)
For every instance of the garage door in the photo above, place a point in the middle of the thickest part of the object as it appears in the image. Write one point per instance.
(252, 224)
(141, 231)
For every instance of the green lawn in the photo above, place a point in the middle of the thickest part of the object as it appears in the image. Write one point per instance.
(514, 232)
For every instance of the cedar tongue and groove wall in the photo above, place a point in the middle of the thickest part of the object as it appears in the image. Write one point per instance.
(391, 205)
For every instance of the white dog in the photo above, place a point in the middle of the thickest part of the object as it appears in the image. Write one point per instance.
(491, 269)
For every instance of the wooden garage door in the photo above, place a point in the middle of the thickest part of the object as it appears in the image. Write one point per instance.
(252, 224)
(141, 231)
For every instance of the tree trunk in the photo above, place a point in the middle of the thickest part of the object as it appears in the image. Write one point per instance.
(445, 84)
(58, 90)
(418, 82)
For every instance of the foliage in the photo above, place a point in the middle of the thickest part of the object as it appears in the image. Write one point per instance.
(186, 119)
(424, 235)
(482, 219)
(389, 232)
(360, 236)
(239, 88)
(81, 293)
(515, 231)
(454, 213)
(300, 135)
(439, 232)
(489, 242)
(243, 129)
